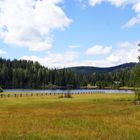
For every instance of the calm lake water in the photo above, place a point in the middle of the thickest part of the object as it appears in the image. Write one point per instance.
(71, 91)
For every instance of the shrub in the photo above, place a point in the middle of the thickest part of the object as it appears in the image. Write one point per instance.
(68, 95)
(1, 90)
(61, 96)
(137, 94)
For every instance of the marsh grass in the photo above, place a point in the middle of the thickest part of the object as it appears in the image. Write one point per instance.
(84, 117)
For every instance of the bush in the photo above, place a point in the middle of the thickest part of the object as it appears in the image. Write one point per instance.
(61, 96)
(1, 90)
(68, 95)
(137, 94)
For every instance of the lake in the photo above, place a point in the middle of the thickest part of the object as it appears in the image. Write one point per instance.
(76, 91)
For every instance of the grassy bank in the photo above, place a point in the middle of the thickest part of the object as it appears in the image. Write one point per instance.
(83, 117)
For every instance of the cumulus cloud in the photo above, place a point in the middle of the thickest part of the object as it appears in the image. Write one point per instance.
(53, 60)
(98, 50)
(117, 3)
(136, 6)
(134, 20)
(29, 23)
(94, 2)
(126, 52)
(120, 3)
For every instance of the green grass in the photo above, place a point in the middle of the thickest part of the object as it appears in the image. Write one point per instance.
(83, 117)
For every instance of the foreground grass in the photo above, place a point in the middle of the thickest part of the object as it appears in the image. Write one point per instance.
(84, 117)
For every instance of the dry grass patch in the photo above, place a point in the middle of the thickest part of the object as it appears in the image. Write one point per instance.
(84, 117)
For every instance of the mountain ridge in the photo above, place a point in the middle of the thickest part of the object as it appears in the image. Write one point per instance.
(92, 69)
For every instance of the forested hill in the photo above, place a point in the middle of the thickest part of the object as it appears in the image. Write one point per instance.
(31, 75)
(89, 70)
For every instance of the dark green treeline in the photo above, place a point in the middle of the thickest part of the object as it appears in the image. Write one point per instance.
(28, 74)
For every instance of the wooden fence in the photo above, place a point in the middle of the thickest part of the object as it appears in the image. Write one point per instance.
(16, 95)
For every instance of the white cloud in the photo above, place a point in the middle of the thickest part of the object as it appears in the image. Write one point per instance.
(136, 6)
(74, 46)
(95, 2)
(133, 21)
(83, 3)
(28, 23)
(120, 3)
(125, 52)
(98, 50)
(117, 3)
(55, 60)
(124, 45)
(2, 52)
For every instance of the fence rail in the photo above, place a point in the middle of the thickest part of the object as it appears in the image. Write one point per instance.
(41, 94)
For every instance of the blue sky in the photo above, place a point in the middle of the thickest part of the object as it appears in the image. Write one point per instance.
(64, 33)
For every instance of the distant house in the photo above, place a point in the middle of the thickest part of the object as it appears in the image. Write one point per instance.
(116, 82)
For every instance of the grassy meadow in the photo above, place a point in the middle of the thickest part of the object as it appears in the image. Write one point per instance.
(83, 117)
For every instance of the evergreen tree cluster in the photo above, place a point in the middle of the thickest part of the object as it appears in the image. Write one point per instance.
(29, 74)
